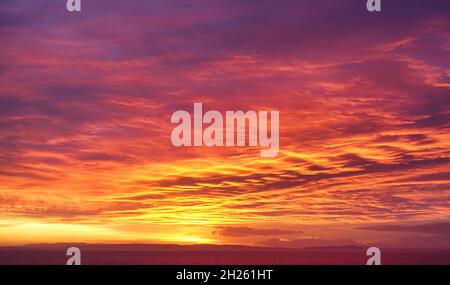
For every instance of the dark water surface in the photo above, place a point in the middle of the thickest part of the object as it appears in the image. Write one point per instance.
(187, 257)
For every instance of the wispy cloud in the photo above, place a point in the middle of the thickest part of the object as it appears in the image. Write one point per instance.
(86, 100)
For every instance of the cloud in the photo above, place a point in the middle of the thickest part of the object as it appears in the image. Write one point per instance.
(441, 228)
(85, 113)
(247, 231)
(310, 242)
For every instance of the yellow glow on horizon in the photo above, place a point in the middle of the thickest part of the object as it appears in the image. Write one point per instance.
(30, 232)
(194, 240)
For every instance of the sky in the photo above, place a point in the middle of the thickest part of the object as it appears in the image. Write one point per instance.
(364, 99)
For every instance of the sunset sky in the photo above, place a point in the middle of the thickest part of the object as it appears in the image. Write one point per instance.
(364, 99)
